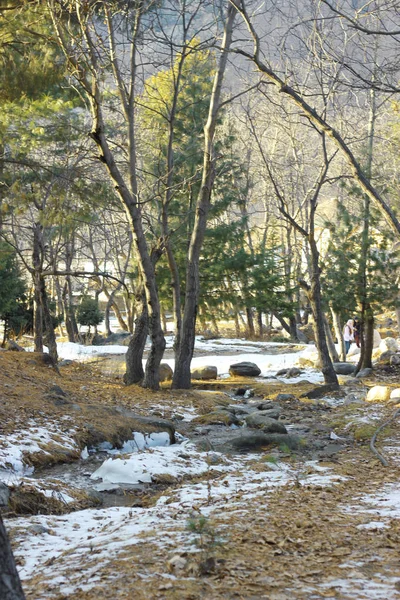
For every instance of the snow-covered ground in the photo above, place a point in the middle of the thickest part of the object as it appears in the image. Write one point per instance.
(221, 353)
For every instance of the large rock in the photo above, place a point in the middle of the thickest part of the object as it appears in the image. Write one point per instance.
(268, 423)
(395, 393)
(321, 391)
(244, 369)
(219, 416)
(248, 440)
(343, 368)
(166, 373)
(204, 373)
(395, 359)
(364, 373)
(385, 357)
(14, 347)
(292, 372)
(377, 339)
(390, 344)
(119, 338)
(379, 393)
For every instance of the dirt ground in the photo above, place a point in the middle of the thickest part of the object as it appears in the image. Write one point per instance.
(296, 542)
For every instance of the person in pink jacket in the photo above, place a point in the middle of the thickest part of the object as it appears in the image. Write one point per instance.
(348, 334)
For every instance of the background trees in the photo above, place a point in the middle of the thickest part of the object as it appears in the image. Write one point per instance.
(143, 161)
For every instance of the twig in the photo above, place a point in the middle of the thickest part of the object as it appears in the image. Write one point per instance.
(373, 439)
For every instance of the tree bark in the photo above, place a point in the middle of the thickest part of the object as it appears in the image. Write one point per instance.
(10, 584)
(134, 356)
(329, 339)
(184, 353)
(337, 325)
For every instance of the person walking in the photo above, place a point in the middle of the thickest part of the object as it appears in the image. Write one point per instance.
(348, 334)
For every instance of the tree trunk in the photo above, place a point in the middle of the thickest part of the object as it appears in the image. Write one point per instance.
(48, 322)
(10, 585)
(184, 353)
(337, 325)
(37, 304)
(134, 356)
(329, 339)
(366, 338)
(250, 323)
(316, 307)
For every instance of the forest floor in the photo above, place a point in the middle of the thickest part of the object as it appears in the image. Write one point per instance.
(274, 524)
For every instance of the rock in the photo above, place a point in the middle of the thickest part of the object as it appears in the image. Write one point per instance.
(244, 369)
(293, 372)
(4, 494)
(285, 397)
(379, 393)
(377, 339)
(389, 344)
(395, 393)
(238, 409)
(249, 393)
(352, 399)
(119, 338)
(177, 564)
(204, 373)
(364, 373)
(217, 417)
(56, 390)
(12, 346)
(395, 359)
(267, 422)
(282, 373)
(343, 368)
(386, 357)
(266, 405)
(240, 392)
(166, 373)
(65, 363)
(253, 440)
(321, 391)
(38, 529)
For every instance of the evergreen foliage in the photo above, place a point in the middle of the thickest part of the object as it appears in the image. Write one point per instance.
(88, 313)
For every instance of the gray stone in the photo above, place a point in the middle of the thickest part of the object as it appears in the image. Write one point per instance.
(244, 369)
(343, 368)
(321, 391)
(364, 373)
(240, 392)
(293, 372)
(268, 423)
(38, 529)
(204, 373)
(166, 373)
(395, 359)
(285, 397)
(386, 357)
(4, 494)
(120, 338)
(267, 405)
(65, 363)
(12, 346)
(282, 373)
(249, 393)
(254, 440)
(56, 390)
